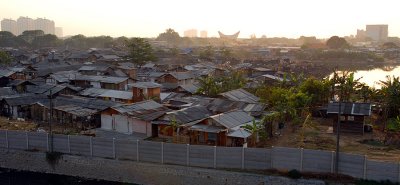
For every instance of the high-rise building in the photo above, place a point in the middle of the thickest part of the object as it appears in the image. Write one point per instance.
(377, 32)
(203, 34)
(10, 26)
(59, 32)
(361, 34)
(25, 23)
(190, 33)
(47, 26)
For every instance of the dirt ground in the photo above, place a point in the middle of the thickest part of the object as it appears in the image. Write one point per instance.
(318, 138)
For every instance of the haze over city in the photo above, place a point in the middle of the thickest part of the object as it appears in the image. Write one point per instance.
(285, 18)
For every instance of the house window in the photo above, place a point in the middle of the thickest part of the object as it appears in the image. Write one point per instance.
(212, 136)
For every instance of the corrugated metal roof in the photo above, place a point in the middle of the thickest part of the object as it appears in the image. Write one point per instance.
(233, 118)
(125, 95)
(240, 133)
(240, 95)
(206, 128)
(6, 72)
(189, 88)
(145, 110)
(76, 110)
(145, 85)
(349, 108)
(103, 79)
(187, 115)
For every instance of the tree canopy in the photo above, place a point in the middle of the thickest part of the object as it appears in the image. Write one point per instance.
(336, 42)
(170, 36)
(5, 58)
(140, 51)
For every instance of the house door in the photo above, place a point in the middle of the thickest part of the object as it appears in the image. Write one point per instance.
(106, 122)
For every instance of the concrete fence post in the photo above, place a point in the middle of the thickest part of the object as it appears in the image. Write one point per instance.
(272, 157)
(332, 161)
(27, 140)
(187, 154)
(137, 150)
(301, 158)
(365, 167)
(398, 179)
(69, 143)
(7, 142)
(215, 156)
(113, 147)
(91, 146)
(48, 142)
(243, 148)
(162, 152)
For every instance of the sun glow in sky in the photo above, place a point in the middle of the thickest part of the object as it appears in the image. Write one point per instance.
(148, 18)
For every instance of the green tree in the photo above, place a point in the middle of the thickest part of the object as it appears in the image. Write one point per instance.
(234, 81)
(208, 86)
(140, 51)
(208, 53)
(390, 92)
(226, 54)
(170, 36)
(5, 58)
(256, 128)
(47, 40)
(318, 90)
(336, 42)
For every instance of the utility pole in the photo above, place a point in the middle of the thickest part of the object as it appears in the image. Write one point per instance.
(338, 133)
(51, 120)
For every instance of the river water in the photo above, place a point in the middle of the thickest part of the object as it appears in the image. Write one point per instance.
(11, 177)
(372, 77)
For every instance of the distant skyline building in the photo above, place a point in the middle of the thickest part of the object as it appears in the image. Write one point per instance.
(59, 32)
(203, 34)
(190, 33)
(47, 26)
(10, 26)
(25, 23)
(378, 32)
(230, 37)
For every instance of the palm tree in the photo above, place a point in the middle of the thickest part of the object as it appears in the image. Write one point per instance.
(255, 129)
(390, 93)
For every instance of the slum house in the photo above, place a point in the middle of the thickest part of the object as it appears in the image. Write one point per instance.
(80, 57)
(240, 95)
(134, 117)
(6, 91)
(95, 70)
(172, 80)
(18, 105)
(6, 76)
(54, 89)
(128, 69)
(183, 118)
(61, 77)
(222, 129)
(20, 86)
(188, 89)
(108, 94)
(220, 105)
(24, 73)
(73, 111)
(145, 90)
(104, 82)
(352, 118)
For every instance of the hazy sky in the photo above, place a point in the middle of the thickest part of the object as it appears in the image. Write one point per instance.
(148, 18)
